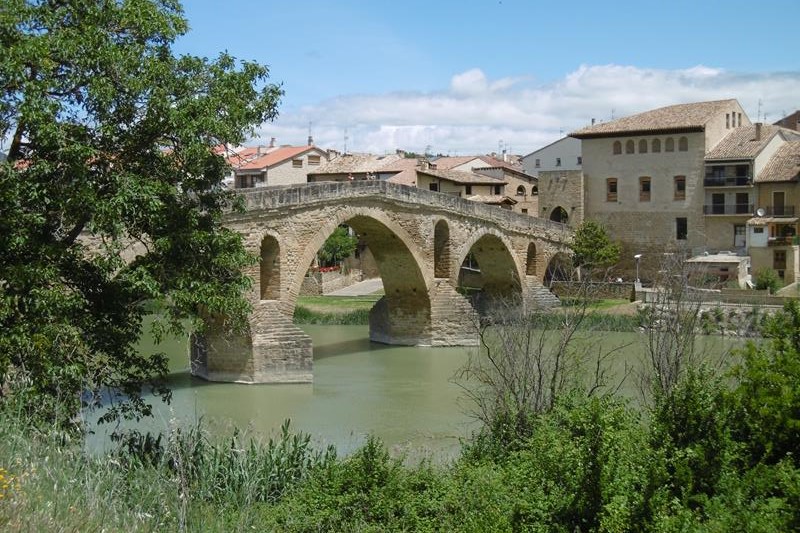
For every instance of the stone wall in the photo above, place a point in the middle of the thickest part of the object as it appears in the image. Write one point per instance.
(320, 283)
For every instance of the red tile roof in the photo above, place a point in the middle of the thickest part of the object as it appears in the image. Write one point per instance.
(274, 157)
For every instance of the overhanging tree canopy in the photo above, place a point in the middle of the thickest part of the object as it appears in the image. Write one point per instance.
(114, 136)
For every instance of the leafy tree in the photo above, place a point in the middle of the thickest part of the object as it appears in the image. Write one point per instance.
(113, 148)
(592, 247)
(337, 247)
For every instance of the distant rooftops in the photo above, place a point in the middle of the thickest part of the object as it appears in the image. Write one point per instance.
(784, 165)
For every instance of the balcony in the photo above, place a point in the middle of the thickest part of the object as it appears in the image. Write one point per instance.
(727, 181)
(779, 211)
(728, 209)
(791, 240)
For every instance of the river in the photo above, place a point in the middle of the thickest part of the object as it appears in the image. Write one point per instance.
(402, 394)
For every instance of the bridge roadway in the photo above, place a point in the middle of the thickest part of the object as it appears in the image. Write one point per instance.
(419, 240)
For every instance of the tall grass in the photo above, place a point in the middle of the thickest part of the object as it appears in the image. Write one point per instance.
(357, 317)
(183, 481)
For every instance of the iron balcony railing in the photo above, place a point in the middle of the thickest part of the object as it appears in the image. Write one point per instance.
(728, 209)
(727, 181)
(779, 210)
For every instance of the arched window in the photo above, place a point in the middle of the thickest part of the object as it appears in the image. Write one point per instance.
(530, 263)
(520, 191)
(629, 147)
(642, 146)
(535, 190)
(683, 144)
(617, 147)
(669, 146)
(656, 146)
(611, 190)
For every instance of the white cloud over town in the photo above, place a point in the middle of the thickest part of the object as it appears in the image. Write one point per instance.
(475, 113)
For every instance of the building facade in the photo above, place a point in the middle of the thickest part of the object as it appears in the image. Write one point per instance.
(562, 155)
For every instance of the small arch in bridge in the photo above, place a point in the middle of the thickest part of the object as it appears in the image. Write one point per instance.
(441, 250)
(270, 279)
(559, 268)
(530, 263)
(489, 266)
(559, 214)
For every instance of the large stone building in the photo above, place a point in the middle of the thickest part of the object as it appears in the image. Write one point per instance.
(693, 177)
(643, 175)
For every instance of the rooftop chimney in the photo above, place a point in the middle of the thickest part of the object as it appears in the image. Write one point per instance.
(272, 142)
(310, 140)
(592, 122)
(758, 131)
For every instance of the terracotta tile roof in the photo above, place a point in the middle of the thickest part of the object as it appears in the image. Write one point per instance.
(674, 118)
(406, 169)
(784, 165)
(458, 176)
(446, 163)
(243, 156)
(741, 142)
(492, 199)
(506, 169)
(356, 163)
(279, 155)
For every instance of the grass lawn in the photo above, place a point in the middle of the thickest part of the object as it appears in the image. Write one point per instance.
(338, 304)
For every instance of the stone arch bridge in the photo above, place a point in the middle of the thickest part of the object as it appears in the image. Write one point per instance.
(419, 240)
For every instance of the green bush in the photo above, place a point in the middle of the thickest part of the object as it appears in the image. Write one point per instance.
(767, 279)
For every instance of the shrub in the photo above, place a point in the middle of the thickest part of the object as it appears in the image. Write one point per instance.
(767, 278)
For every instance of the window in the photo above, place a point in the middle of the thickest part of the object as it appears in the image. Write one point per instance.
(524, 211)
(467, 189)
(313, 160)
(644, 189)
(758, 230)
(728, 121)
(580, 160)
(558, 161)
(535, 190)
(520, 191)
(681, 228)
(740, 120)
(642, 146)
(497, 189)
(656, 146)
(434, 187)
(297, 163)
(538, 163)
(680, 187)
(611, 190)
(669, 145)
(683, 144)
(617, 147)
(629, 147)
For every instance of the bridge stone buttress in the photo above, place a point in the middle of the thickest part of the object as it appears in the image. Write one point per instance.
(419, 240)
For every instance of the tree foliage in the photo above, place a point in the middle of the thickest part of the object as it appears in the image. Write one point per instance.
(113, 151)
(339, 246)
(592, 247)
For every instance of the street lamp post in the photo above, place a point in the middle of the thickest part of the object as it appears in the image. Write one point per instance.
(637, 257)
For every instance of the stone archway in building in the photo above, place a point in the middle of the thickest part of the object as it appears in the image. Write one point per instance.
(559, 214)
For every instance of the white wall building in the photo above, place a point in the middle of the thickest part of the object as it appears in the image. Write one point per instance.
(563, 154)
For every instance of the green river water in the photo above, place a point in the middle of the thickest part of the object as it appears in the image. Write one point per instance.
(403, 395)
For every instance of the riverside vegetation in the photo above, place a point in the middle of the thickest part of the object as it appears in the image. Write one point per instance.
(703, 453)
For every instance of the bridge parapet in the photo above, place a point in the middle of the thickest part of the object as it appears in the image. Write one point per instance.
(276, 197)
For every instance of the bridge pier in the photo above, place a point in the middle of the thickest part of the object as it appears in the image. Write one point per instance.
(275, 350)
(537, 296)
(454, 322)
(400, 319)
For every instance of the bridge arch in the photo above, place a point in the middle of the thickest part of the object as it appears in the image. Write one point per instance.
(531, 260)
(559, 268)
(500, 272)
(403, 315)
(270, 268)
(441, 249)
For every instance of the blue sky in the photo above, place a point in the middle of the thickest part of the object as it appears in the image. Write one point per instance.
(463, 76)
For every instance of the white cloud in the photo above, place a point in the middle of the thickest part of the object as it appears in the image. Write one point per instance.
(475, 113)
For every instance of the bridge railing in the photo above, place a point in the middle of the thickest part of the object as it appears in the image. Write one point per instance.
(275, 197)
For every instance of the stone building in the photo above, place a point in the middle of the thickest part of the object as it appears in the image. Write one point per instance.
(643, 176)
(275, 165)
(561, 196)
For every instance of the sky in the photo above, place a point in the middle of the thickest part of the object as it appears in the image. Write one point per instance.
(480, 76)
